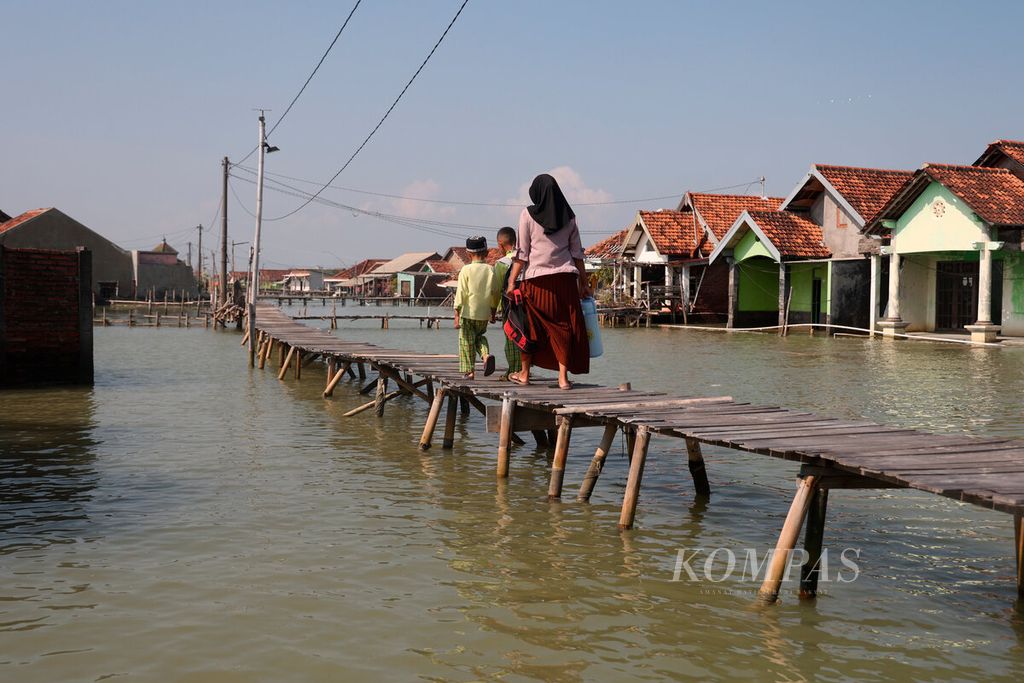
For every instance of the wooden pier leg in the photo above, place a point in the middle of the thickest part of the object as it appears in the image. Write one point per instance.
(695, 459)
(561, 455)
(332, 367)
(263, 352)
(464, 405)
(636, 474)
(812, 544)
(630, 443)
(769, 591)
(449, 422)
(540, 436)
(432, 417)
(281, 351)
(287, 361)
(597, 463)
(334, 379)
(382, 390)
(298, 365)
(1018, 537)
(362, 371)
(505, 436)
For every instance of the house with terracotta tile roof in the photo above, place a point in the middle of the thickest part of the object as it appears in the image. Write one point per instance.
(952, 238)
(1008, 154)
(667, 252)
(346, 281)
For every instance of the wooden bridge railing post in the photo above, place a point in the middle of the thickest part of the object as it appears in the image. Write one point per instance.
(806, 486)
(695, 461)
(505, 436)
(597, 463)
(449, 421)
(636, 474)
(813, 538)
(286, 363)
(432, 417)
(561, 455)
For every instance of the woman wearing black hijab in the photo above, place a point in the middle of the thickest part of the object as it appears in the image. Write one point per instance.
(550, 258)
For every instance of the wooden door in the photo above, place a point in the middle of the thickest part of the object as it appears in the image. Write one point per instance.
(956, 295)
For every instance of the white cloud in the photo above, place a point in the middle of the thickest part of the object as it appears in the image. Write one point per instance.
(573, 187)
(410, 208)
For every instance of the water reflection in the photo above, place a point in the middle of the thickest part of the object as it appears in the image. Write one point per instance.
(47, 474)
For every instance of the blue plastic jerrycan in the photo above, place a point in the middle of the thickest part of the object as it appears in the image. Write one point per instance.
(593, 329)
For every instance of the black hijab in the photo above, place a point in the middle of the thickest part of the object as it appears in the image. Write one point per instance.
(549, 207)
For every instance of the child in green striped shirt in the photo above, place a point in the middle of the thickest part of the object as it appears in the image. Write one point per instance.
(474, 308)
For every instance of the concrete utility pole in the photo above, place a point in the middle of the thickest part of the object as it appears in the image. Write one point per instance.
(190, 257)
(200, 229)
(254, 278)
(224, 237)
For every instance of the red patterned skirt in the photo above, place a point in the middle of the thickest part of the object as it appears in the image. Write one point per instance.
(555, 321)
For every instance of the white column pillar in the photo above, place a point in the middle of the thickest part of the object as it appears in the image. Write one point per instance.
(985, 287)
(637, 277)
(783, 297)
(734, 285)
(894, 288)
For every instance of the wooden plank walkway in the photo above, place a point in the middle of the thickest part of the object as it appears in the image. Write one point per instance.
(834, 453)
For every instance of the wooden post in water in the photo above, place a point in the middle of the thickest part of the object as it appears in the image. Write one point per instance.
(695, 460)
(636, 474)
(449, 422)
(287, 361)
(813, 538)
(561, 455)
(432, 417)
(379, 399)
(1018, 537)
(769, 591)
(332, 380)
(505, 436)
(464, 405)
(597, 463)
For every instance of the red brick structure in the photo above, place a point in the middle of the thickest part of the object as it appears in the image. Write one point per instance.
(45, 317)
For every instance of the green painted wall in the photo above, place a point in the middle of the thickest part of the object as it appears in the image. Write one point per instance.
(750, 247)
(1013, 293)
(920, 229)
(801, 283)
(759, 285)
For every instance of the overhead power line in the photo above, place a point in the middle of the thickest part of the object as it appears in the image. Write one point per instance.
(379, 123)
(313, 73)
(452, 202)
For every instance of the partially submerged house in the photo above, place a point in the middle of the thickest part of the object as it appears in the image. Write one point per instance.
(49, 228)
(159, 273)
(952, 236)
(669, 250)
(347, 281)
(807, 262)
(385, 280)
(309, 280)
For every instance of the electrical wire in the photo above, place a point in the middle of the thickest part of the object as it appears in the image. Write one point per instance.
(313, 73)
(501, 205)
(379, 123)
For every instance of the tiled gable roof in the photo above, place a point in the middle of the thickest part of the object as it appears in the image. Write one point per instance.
(793, 235)
(720, 211)
(672, 231)
(441, 266)
(995, 194)
(358, 269)
(609, 247)
(23, 218)
(867, 190)
(1014, 149)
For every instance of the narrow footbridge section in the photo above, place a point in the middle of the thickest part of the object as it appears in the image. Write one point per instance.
(834, 454)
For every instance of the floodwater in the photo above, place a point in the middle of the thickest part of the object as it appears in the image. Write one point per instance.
(188, 519)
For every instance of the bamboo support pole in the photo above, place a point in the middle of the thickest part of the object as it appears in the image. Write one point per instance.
(813, 538)
(297, 364)
(695, 461)
(287, 361)
(432, 417)
(370, 404)
(505, 436)
(561, 455)
(334, 379)
(597, 463)
(769, 591)
(449, 422)
(636, 475)
(245, 337)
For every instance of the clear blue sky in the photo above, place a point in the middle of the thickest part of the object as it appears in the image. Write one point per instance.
(119, 112)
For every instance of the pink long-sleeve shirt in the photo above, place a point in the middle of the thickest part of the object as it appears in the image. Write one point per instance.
(547, 254)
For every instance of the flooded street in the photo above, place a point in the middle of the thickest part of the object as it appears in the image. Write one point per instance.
(190, 519)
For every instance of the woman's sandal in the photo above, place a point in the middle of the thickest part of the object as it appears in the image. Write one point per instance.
(489, 365)
(516, 378)
(565, 387)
